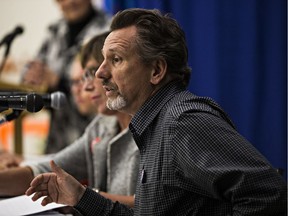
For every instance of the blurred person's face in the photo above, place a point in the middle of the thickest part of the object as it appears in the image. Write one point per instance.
(74, 10)
(81, 98)
(94, 87)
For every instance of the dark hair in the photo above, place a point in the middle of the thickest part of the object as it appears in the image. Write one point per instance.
(93, 49)
(158, 36)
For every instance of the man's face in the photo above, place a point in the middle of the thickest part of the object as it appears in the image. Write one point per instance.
(125, 78)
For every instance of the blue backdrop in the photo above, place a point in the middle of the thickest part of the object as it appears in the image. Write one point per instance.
(238, 56)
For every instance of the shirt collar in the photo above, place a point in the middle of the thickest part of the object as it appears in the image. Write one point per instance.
(148, 112)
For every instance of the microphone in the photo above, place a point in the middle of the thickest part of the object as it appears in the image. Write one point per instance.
(10, 37)
(30, 102)
(55, 100)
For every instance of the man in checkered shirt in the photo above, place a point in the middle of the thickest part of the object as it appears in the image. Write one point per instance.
(193, 161)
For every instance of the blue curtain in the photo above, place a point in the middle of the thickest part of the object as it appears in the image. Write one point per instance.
(238, 56)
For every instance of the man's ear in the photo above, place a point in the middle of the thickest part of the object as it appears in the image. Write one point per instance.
(159, 71)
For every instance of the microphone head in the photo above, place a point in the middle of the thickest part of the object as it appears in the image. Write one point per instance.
(19, 30)
(34, 103)
(58, 100)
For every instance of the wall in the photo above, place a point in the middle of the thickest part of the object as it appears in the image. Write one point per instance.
(34, 16)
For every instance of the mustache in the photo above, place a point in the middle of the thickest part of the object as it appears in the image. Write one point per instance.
(110, 85)
(105, 82)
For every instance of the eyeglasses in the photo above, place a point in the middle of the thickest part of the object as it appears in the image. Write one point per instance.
(75, 82)
(89, 74)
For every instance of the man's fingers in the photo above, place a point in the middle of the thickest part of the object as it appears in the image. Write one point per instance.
(39, 183)
(39, 188)
(30, 191)
(38, 180)
(56, 169)
(46, 201)
(39, 194)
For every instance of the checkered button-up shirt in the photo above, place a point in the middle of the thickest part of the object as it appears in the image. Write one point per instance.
(194, 162)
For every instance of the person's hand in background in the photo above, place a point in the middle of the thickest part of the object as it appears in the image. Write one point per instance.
(37, 73)
(8, 160)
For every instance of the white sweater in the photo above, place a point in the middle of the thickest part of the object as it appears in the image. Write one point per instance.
(102, 157)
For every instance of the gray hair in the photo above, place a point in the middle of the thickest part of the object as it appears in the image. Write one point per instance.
(158, 36)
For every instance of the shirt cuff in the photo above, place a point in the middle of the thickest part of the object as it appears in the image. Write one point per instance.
(91, 203)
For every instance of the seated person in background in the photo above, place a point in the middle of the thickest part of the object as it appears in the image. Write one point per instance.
(193, 160)
(81, 98)
(83, 103)
(105, 157)
(50, 68)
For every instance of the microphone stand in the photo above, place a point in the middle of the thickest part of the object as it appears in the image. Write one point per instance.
(8, 41)
(18, 149)
(6, 54)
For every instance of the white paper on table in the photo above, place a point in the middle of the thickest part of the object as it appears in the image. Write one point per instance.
(23, 205)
